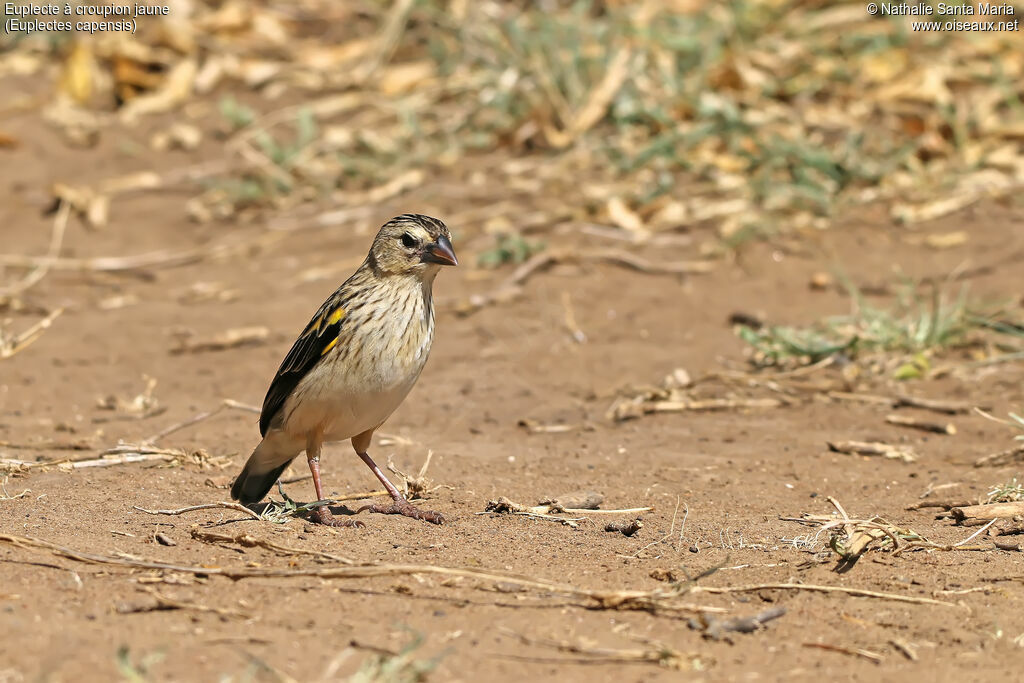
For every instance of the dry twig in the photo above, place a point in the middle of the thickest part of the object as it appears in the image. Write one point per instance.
(885, 450)
(196, 419)
(418, 486)
(655, 653)
(238, 507)
(118, 455)
(249, 541)
(629, 408)
(39, 271)
(923, 425)
(903, 401)
(511, 287)
(154, 259)
(165, 602)
(10, 345)
(861, 592)
(598, 599)
(855, 651)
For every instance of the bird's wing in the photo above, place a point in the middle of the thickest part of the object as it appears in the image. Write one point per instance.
(319, 337)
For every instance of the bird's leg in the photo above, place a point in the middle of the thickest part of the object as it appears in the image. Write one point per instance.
(321, 514)
(399, 505)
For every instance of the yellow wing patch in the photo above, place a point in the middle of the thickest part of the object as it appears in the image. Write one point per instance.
(330, 346)
(332, 319)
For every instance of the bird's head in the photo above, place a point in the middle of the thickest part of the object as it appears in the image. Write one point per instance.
(412, 244)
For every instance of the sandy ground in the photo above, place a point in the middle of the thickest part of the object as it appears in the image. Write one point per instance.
(720, 483)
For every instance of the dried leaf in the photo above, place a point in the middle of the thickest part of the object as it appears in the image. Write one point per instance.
(400, 78)
(624, 217)
(78, 77)
(176, 88)
(946, 240)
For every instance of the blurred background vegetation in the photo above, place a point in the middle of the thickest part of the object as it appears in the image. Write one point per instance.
(643, 122)
(756, 115)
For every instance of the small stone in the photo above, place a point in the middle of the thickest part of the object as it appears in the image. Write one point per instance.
(163, 539)
(820, 281)
(626, 528)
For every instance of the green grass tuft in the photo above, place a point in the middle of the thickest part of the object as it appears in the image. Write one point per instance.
(398, 668)
(508, 248)
(916, 327)
(1010, 492)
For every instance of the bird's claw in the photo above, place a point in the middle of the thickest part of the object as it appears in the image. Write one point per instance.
(406, 509)
(323, 515)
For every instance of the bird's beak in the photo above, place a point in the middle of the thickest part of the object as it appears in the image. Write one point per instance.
(440, 252)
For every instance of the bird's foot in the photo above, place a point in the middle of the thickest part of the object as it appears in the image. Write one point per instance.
(406, 509)
(323, 515)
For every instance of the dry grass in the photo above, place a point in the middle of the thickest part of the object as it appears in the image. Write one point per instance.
(631, 120)
(642, 97)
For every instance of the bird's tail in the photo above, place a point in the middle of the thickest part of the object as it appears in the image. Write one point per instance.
(262, 469)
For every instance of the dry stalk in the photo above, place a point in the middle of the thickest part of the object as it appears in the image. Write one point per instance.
(586, 502)
(671, 529)
(4, 495)
(118, 455)
(944, 504)
(656, 653)
(629, 408)
(659, 601)
(602, 94)
(935, 405)
(164, 258)
(39, 271)
(238, 507)
(903, 401)
(904, 454)
(511, 287)
(165, 602)
(418, 486)
(534, 427)
(859, 534)
(248, 541)
(196, 419)
(503, 505)
(923, 425)
(855, 651)
(10, 345)
(860, 592)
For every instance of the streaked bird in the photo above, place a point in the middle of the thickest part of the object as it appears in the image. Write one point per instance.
(354, 363)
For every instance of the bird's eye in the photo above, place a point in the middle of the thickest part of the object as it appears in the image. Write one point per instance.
(409, 241)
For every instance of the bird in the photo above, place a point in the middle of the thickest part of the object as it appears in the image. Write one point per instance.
(353, 365)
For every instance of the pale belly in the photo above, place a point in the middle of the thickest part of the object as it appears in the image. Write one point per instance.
(340, 404)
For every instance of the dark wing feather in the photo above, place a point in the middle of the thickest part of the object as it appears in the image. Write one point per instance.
(319, 336)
